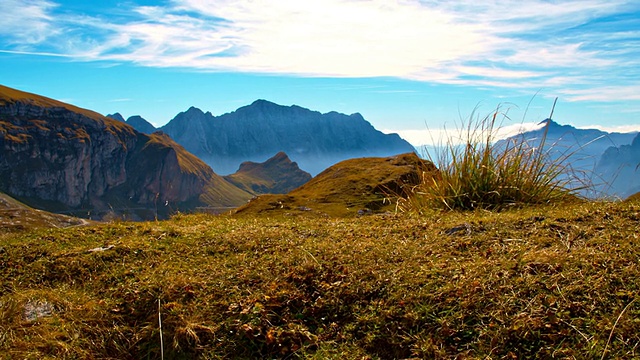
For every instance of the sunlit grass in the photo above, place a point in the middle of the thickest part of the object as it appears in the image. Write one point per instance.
(478, 172)
(539, 281)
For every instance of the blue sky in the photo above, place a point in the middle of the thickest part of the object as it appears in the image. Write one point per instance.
(407, 66)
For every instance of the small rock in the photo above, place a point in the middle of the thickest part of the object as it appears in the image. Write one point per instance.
(365, 211)
(101, 248)
(466, 227)
(36, 310)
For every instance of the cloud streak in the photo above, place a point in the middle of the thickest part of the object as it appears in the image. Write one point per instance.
(26, 22)
(573, 48)
(457, 136)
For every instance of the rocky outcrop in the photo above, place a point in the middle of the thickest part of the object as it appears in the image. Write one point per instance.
(57, 157)
(278, 175)
(254, 133)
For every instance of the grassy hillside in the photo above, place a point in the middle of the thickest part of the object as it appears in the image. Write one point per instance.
(349, 186)
(16, 216)
(538, 282)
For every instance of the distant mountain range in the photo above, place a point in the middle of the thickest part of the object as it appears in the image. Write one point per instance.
(136, 121)
(619, 169)
(61, 158)
(588, 154)
(255, 132)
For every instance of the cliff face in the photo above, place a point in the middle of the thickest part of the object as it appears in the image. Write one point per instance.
(254, 133)
(61, 158)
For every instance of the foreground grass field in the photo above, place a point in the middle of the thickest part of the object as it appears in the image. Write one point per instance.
(541, 282)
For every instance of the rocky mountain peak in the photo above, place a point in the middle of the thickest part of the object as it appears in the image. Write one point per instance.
(116, 116)
(141, 124)
(192, 112)
(254, 132)
(277, 175)
(554, 126)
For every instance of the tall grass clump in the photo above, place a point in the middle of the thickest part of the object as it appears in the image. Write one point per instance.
(478, 172)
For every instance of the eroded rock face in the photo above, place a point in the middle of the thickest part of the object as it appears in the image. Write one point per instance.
(58, 159)
(56, 155)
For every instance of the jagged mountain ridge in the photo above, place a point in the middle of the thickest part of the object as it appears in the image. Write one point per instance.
(257, 131)
(136, 121)
(619, 169)
(579, 149)
(59, 157)
(277, 175)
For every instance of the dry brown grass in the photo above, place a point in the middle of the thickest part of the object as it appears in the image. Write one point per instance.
(480, 173)
(538, 282)
(371, 184)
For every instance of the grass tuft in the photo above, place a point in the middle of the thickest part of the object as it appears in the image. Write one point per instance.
(480, 173)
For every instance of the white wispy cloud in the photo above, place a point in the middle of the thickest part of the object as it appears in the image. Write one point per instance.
(456, 136)
(525, 44)
(26, 21)
(604, 93)
(611, 129)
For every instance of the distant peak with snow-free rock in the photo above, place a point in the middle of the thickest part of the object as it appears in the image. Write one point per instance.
(255, 132)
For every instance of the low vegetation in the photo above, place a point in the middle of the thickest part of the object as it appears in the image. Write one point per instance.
(554, 280)
(363, 185)
(545, 282)
(481, 173)
(16, 216)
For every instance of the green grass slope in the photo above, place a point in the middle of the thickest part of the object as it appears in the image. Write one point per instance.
(16, 216)
(349, 186)
(538, 282)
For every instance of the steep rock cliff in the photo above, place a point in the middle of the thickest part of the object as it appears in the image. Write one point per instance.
(58, 157)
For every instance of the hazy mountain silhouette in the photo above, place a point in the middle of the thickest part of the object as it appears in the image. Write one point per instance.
(136, 121)
(579, 149)
(619, 169)
(255, 132)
